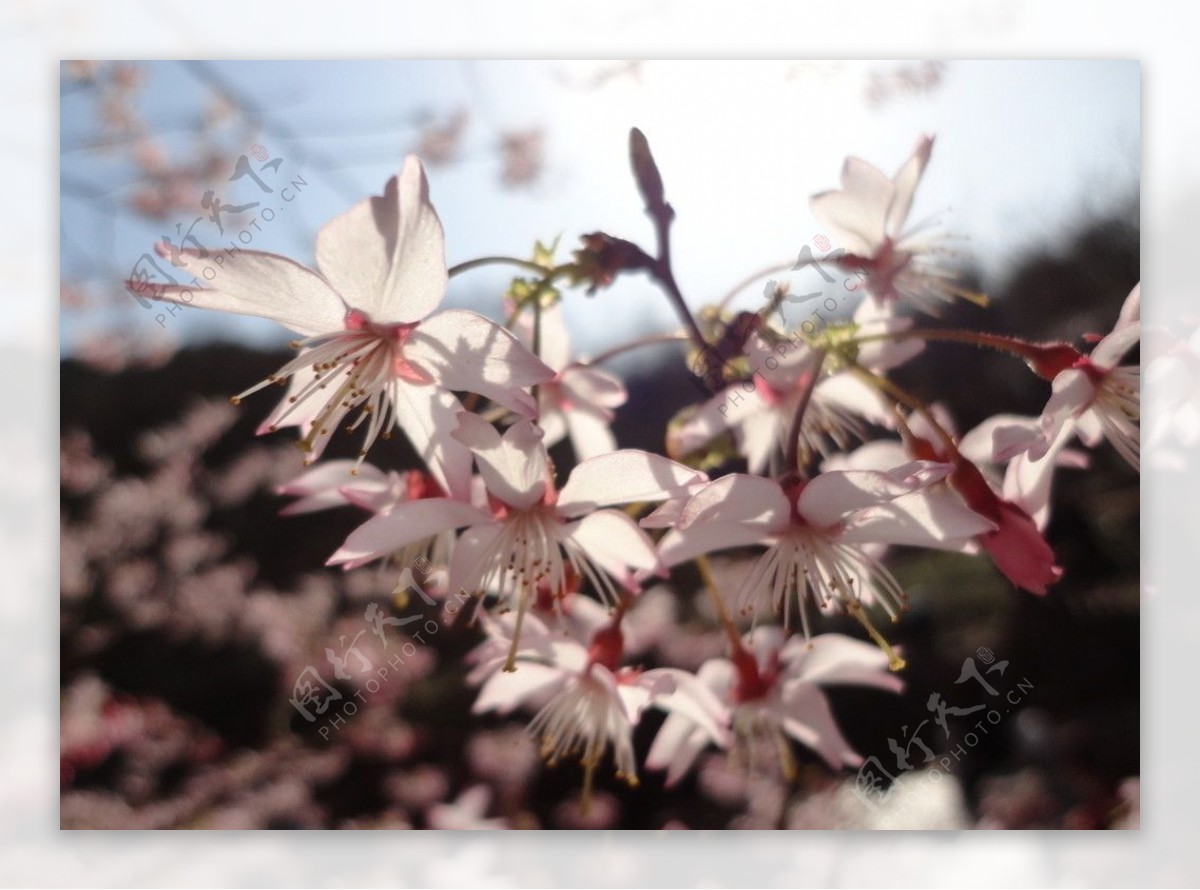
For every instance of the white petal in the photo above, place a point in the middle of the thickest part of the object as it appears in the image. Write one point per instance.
(468, 564)
(1109, 351)
(785, 367)
(506, 690)
(590, 433)
(676, 747)
(809, 720)
(320, 487)
(614, 542)
(250, 282)
(592, 386)
(848, 391)
(1071, 393)
(624, 477)
(906, 180)
(936, 518)
(729, 407)
(761, 435)
(856, 216)
(1131, 309)
(555, 342)
(407, 523)
(881, 455)
(553, 422)
(980, 444)
(513, 465)
(465, 351)
(827, 499)
(427, 415)
(836, 659)
(387, 255)
(739, 498)
(679, 546)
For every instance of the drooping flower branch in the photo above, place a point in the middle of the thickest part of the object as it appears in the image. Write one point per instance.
(804, 459)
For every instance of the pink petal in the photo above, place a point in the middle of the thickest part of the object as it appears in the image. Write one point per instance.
(590, 433)
(407, 523)
(874, 318)
(981, 445)
(856, 216)
(1109, 351)
(739, 498)
(593, 387)
(465, 351)
(834, 659)
(679, 546)
(728, 408)
(467, 562)
(505, 691)
(387, 254)
(319, 487)
(250, 282)
(555, 345)
(830, 497)
(624, 477)
(676, 747)
(514, 465)
(907, 178)
(809, 720)
(428, 415)
(936, 518)
(1071, 393)
(1131, 309)
(616, 544)
(847, 391)
(1019, 550)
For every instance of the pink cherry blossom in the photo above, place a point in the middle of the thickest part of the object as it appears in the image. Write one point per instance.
(1018, 506)
(370, 340)
(579, 401)
(1092, 396)
(535, 533)
(760, 410)
(769, 690)
(867, 218)
(587, 702)
(819, 533)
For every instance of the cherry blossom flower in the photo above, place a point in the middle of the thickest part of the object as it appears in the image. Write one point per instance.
(818, 535)
(341, 483)
(760, 410)
(579, 400)
(587, 703)
(769, 690)
(867, 218)
(1018, 504)
(534, 532)
(369, 340)
(338, 483)
(1092, 396)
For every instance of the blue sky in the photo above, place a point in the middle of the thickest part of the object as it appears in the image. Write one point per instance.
(1026, 152)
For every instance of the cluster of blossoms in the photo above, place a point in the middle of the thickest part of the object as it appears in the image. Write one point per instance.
(841, 464)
